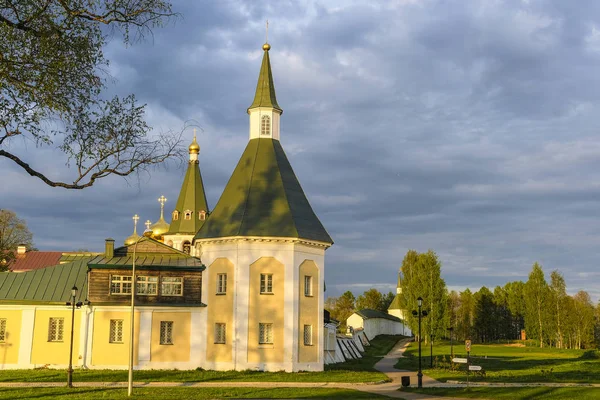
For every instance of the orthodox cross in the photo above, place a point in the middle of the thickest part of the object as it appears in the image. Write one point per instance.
(162, 200)
(148, 223)
(136, 218)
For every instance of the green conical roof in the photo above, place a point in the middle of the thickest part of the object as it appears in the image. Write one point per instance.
(264, 198)
(191, 197)
(265, 89)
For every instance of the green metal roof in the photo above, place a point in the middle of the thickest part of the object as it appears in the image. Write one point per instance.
(150, 254)
(264, 198)
(51, 285)
(265, 89)
(396, 304)
(191, 197)
(367, 313)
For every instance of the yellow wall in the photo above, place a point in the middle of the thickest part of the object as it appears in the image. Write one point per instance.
(106, 353)
(9, 350)
(220, 310)
(266, 308)
(45, 352)
(180, 349)
(308, 313)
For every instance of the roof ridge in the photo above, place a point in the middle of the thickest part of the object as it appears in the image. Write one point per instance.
(249, 186)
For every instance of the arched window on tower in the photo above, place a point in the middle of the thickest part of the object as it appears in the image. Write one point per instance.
(186, 247)
(187, 214)
(175, 215)
(202, 215)
(265, 125)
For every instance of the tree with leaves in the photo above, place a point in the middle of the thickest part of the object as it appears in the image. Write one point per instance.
(52, 78)
(536, 311)
(13, 232)
(558, 294)
(371, 299)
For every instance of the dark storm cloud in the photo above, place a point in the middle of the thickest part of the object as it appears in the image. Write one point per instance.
(469, 128)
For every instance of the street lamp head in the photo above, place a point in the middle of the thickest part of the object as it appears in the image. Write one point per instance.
(147, 232)
(74, 291)
(420, 301)
(414, 313)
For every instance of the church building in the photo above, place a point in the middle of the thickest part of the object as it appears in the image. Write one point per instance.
(233, 288)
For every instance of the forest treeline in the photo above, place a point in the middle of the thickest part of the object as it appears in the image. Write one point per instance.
(540, 306)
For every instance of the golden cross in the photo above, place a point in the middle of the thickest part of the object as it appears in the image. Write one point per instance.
(267, 37)
(148, 223)
(162, 200)
(136, 218)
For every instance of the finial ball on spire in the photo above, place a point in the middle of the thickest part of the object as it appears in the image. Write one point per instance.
(266, 47)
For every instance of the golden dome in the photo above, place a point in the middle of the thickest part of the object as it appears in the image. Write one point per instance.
(194, 147)
(266, 47)
(132, 239)
(160, 227)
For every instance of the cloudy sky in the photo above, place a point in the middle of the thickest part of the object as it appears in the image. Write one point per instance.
(466, 127)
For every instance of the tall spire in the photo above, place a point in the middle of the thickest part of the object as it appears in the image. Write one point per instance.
(265, 89)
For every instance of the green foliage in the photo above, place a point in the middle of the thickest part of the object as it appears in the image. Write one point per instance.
(13, 232)
(537, 315)
(52, 76)
(511, 393)
(421, 277)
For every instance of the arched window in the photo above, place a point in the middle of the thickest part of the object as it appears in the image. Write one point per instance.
(265, 125)
(175, 215)
(202, 215)
(186, 247)
(187, 214)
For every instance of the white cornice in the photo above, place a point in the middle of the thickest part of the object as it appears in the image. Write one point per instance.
(264, 239)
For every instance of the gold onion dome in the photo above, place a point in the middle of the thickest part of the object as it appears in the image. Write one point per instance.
(194, 147)
(132, 239)
(161, 226)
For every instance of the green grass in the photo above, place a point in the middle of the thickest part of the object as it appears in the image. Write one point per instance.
(529, 393)
(184, 393)
(380, 346)
(509, 364)
(353, 371)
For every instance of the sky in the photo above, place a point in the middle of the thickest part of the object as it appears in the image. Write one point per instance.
(466, 127)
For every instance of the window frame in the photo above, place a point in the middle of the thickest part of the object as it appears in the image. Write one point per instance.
(220, 333)
(171, 283)
(175, 215)
(308, 286)
(121, 282)
(308, 334)
(145, 282)
(187, 215)
(3, 324)
(221, 283)
(117, 329)
(265, 125)
(56, 336)
(265, 333)
(266, 284)
(166, 333)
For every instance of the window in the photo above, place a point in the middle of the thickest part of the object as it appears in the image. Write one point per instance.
(2, 330)
(175, 215)
(116, 331)
(265, 333)
(220, 332)
(202, 215)
(221, 283)
(147, 285)
(266, 283)
(120, 284)
(166, 332)
(308, 285)
(308, 335)
(187, 247)
(265, 125)
(55, 329)
(171, 286)
(187, 214)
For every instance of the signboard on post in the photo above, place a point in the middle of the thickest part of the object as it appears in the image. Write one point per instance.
(468, 345)
(459, 360)
(474, 368)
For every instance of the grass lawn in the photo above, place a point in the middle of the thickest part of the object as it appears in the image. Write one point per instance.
(506, 363)
(531, 393)
(354, 371)
(184, 393)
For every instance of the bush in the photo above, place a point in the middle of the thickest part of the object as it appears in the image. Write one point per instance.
(590, 355)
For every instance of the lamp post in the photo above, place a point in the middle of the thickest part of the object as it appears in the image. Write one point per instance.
(147, 232)
(451, 329)
(420, 314)
(72, 304)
